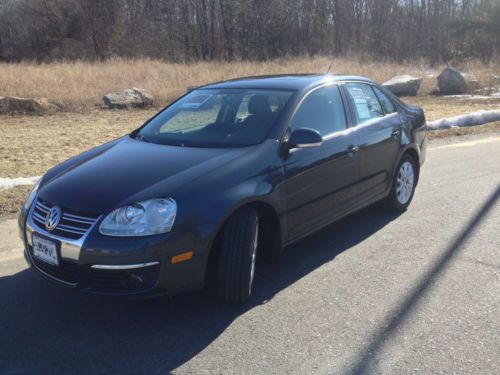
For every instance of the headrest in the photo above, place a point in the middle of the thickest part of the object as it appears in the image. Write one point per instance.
(258, 105)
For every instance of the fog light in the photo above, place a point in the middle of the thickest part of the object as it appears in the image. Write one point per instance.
(135, 281)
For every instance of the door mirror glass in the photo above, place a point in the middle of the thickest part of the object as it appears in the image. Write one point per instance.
(305, 137)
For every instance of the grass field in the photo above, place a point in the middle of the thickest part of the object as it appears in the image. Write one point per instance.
(30, 145)
(81, 85)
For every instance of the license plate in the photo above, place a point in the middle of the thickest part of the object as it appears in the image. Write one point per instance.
(45, 250)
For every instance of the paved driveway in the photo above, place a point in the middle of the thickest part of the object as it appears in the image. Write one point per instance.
(415, 293)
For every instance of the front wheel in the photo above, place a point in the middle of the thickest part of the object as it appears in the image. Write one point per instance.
(403, 186)
(237, 256)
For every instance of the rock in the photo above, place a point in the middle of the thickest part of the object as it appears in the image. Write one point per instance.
(40, 106)
(129, 98)
(471, 83)
(404, 85)
(451, 82)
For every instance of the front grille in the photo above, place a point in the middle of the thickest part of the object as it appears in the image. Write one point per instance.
(73, 224)
(66, 271)
(123, 281)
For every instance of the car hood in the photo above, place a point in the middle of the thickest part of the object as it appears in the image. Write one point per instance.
(105, 180)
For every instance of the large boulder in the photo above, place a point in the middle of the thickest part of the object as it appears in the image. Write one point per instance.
(40, 106)
(404, 85)
(129, 98)
(452, 82)
(471, 83)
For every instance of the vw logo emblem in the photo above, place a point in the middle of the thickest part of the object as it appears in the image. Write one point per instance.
(52, 218)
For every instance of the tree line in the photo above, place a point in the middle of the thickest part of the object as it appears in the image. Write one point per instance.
(193, 30)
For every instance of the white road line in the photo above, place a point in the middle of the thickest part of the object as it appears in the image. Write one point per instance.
(467, 144)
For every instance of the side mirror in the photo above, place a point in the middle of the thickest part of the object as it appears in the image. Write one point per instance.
(304, 137)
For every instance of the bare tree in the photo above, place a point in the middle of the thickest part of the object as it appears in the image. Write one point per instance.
(187, 30)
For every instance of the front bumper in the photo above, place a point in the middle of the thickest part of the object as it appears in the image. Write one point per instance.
(140, 266)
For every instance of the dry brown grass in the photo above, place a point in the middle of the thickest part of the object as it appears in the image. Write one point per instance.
(436, 107)
(38, 159)
(491, 128)
(11, 199)
(32, 144)
(81, 85)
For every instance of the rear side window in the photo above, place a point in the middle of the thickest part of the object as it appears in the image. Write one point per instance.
(364, 101)
(384, 100)
(321, 110)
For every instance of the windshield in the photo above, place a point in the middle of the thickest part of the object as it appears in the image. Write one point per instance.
(217, 118)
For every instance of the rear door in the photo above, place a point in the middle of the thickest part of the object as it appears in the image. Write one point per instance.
(320, 181)
(378, 126)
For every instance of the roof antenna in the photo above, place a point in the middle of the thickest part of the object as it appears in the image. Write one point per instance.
(329, 67)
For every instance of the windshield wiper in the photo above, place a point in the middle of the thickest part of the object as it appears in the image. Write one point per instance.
(140, 137)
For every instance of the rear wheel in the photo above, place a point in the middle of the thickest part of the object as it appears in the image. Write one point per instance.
(237, 256)
(403, 186)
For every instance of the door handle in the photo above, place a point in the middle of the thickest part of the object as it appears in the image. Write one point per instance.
(351, 149)
(395, 133)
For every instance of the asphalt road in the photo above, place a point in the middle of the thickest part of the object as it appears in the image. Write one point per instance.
(374, 293)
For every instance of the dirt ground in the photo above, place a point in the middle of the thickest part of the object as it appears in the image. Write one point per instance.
(30, 145)
(11, 199)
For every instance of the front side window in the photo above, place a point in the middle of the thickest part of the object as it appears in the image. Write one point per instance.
(321, 110)
(365, 102)
(218, 118)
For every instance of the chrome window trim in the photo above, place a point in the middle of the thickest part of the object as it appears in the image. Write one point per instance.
(70, 249)
(355, 128)
(123, 266)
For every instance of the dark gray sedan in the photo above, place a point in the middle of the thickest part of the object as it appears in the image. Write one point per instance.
(230, 172)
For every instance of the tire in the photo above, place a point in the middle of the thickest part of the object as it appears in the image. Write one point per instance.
(237, 256)
(403, 185)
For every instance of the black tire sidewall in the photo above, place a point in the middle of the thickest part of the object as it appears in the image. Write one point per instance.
(235, 257)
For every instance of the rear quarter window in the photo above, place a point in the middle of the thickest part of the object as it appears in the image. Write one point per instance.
(385, 101)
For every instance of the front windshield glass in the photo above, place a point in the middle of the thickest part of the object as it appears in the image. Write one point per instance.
(217, 118)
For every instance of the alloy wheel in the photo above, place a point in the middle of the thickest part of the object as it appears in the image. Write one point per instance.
(405, 182)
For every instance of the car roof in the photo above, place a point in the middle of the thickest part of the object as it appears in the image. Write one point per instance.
(284, 81)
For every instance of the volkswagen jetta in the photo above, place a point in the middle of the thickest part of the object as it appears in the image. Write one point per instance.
(228, 172)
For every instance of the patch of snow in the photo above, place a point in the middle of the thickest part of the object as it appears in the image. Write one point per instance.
(469, 119)
(8, 183)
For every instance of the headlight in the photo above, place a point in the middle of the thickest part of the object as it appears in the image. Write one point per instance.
(32, 195)
(154, 216)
